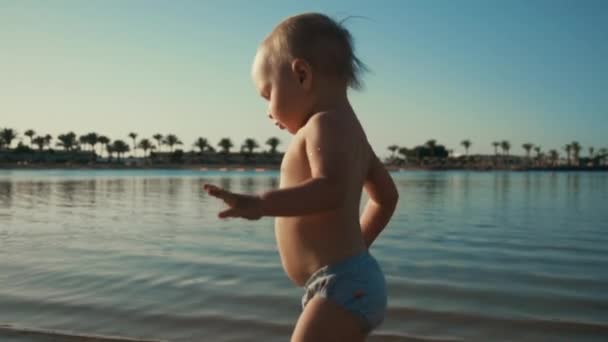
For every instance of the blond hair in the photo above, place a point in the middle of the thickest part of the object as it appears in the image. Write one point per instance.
(321, 41)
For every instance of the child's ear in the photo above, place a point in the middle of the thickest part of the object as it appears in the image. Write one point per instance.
(302, 71)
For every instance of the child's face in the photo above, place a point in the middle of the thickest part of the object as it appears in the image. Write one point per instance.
(286, 94)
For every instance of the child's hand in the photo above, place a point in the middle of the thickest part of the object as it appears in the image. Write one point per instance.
(245, 206)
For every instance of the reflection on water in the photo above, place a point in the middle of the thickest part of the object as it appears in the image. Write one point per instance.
(142, 254)
(6, 194)
(226, 183)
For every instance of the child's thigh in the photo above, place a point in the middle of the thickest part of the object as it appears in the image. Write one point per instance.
(323, 320)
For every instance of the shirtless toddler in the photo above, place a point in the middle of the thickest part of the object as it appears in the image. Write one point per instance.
(304, 68)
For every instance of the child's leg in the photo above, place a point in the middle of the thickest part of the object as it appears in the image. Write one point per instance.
(323, 320)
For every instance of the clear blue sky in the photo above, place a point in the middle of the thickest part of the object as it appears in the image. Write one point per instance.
(525, 71)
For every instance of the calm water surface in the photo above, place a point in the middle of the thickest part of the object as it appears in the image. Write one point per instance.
(140, 254)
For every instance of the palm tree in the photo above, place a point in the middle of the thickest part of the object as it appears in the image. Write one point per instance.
(145, 145)
(527, 147)
(159, 140)
(30, 134)
(466, 143)
(67, 141)
(537, 149)
(591, 151)
(603, 153)
(83, 140)
(496, 144)
(250, 144)
(102, 139)
(393, 149)
(48, 139)
(273, 142)
(40, 142)
(403, 151)
(133, 136)
(92, 139)
(8, 135)
(172, 140)
(506, 146)
(120, 147)
(568, 149)
(539, 155)
(576, 150)
(554, 155)
(431, 144)
(201, 143)
(226, 145)
(110, 150)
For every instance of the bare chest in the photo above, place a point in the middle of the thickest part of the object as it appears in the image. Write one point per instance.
(294, 167)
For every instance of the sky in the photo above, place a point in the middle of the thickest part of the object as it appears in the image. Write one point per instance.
(523, 71)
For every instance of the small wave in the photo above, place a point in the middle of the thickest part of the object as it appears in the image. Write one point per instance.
(400, 337)
(519, 324)
(65, 336)
(69, 336)
(546, 297)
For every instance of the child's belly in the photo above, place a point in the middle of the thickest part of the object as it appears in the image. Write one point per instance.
(309, 243)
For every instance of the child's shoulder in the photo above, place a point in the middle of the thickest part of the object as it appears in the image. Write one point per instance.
(333, 129)
(320, 117)
(324, 122)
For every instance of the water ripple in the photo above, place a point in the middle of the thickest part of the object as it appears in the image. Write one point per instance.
(140, 254)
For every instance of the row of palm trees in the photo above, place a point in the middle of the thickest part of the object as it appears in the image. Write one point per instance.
(573, 151)
(432, 145)
(71, 142)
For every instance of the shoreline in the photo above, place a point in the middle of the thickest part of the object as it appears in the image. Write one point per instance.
(276, 167)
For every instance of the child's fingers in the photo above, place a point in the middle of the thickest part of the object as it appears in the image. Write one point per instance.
(215, 191)
(222, 194)
(209, 187)
(231, 212)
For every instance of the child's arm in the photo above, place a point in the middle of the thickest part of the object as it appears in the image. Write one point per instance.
(383, 197)
(326, 152)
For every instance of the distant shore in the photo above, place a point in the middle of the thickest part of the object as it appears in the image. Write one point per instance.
(116, 166)
(270, 167)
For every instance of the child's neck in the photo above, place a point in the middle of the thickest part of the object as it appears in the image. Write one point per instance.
(330, 98)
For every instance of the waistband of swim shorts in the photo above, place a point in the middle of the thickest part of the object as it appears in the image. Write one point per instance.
(337, 267)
